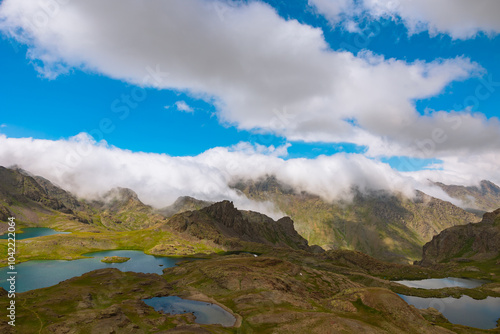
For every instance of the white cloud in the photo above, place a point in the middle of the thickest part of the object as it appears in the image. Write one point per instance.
(467, 171)
(334, 10)
(461, 19)
(249, 149)
(3, 125)
(87, 168)
(183, 106)
(261, 71)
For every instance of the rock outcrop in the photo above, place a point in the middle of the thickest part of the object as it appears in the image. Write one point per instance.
(221, 222)
(480, 241)
(33, 197)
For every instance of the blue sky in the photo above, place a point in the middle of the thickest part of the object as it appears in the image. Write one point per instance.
(83, 98)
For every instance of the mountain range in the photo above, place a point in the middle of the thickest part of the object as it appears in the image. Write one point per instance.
(387, 226)
(479, 199)
(390, 227)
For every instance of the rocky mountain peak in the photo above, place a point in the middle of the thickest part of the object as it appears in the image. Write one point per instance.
(224, 212)
(489, 187)
(222, 222)
(121, 195)
(18, 185)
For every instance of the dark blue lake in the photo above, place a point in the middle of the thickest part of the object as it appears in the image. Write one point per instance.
(43, 273)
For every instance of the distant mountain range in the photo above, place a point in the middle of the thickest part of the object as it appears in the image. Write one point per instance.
(386, 226)
(477, 199)
(35, 201)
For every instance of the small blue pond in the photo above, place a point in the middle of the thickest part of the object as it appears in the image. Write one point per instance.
(205, 313)
(463, 311)
(439, 283)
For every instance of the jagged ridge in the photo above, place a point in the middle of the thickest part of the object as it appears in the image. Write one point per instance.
(222, 222)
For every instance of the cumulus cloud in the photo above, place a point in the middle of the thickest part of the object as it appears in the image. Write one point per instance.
(255, 148)
(461, 19)
(335, 11)
(467, 171)
(440, 134)
(262, 72)
(183, 106)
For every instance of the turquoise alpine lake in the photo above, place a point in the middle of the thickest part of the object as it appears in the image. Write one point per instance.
(205, 313)
(38, 274)
(33, 232)
(463, 311)
(439, 283)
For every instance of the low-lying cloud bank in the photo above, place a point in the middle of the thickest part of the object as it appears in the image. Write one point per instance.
(87, 169)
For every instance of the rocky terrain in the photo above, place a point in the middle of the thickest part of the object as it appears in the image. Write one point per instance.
(34, 200)
(119, 220)
(281, 291)
(467, 243)
(225, 225)
(386, 226)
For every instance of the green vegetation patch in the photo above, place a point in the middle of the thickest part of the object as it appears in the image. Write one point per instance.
(362, 307)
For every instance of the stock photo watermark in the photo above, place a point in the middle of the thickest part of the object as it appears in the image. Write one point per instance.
(12, 273)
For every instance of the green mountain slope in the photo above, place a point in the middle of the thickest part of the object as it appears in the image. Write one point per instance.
(35, 201)
(386, 226)
(121, 209)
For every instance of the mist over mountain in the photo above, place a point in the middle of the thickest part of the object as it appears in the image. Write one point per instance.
(383, 224)
(89, 169)
(481, 198)
(389, 226)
